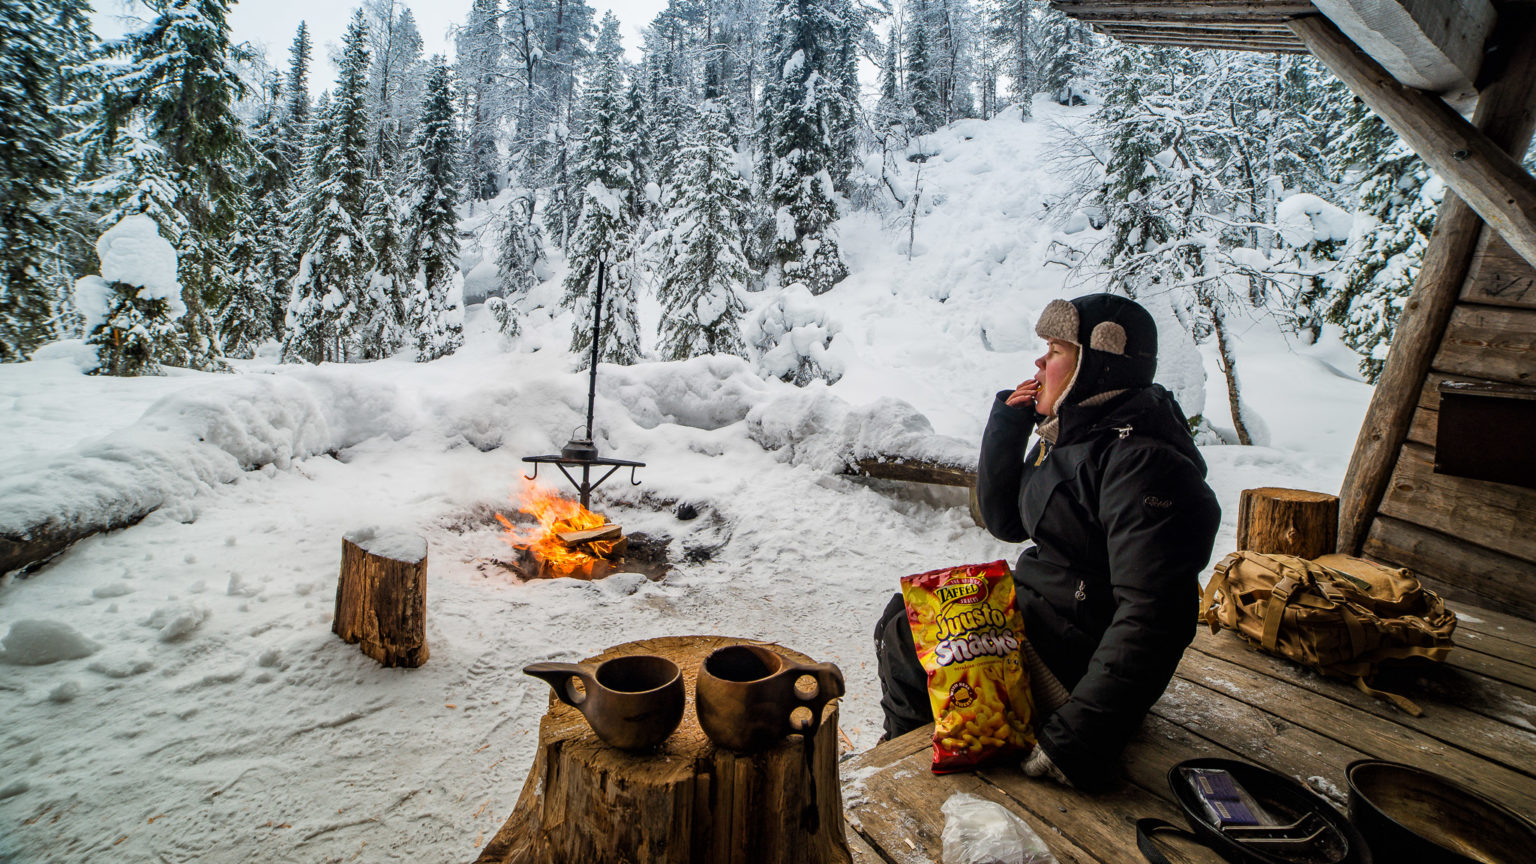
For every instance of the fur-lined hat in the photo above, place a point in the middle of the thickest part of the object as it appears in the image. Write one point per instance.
(1116, 340)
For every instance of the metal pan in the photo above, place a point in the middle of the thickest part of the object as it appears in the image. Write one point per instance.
(1407, 814)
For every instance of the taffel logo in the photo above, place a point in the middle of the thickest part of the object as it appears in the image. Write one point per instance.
(965, 590)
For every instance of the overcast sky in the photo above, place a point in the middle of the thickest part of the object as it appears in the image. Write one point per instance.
(270, 25)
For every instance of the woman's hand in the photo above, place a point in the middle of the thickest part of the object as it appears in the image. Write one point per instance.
(1024, 395)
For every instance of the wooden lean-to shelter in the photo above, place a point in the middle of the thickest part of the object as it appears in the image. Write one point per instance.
(1449, 494)
(1442, 480)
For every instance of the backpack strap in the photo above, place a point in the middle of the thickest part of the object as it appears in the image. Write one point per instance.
(1279, 596)
(1397, 699)
(1217, 582)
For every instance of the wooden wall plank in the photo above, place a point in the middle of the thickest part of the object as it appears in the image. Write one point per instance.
(1495, 516)
(1499, 276)
(1492, 342)
(1458, 570)
(1425, 424)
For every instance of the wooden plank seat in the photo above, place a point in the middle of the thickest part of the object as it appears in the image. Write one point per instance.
(1478, 728)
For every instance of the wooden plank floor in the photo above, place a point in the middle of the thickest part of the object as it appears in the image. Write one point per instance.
(1479, 728)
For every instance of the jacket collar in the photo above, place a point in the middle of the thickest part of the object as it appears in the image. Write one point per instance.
(1146, 411)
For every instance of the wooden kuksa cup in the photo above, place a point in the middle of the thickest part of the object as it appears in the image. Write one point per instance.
(747, 696)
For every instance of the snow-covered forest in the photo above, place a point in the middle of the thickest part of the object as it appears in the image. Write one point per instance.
(246, 309)
(350, 220)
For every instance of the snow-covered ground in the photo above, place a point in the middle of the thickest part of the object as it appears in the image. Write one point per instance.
(205, 712)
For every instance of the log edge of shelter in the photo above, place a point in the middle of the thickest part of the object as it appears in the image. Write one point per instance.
(1230, 701)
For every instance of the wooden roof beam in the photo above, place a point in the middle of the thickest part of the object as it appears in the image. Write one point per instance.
(1479, 170)
(1434, 45)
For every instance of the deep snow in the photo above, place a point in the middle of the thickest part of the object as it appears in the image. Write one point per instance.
(214, 717)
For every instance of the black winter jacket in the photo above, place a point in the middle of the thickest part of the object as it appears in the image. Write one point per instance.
(1122, 523)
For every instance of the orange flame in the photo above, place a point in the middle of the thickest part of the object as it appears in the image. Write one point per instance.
(555, 515)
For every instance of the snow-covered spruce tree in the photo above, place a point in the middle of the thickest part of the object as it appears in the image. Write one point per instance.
(645, 159)
(851, 33)
(520, 252)
(479, 53)
(605, 232)
(434, 313)
(296, 114)
(922, 78)
(259, 254)
(892, 109)
(1064, 51)
(33, 166)
(801, 105)
(1397, 192)
(76, 87)
(792, 335)
(704, 268)
(330, 293)
(245, 318)
(390, 280)
(662, 101)
(1014, 31)
(179, 76)
(132, 307)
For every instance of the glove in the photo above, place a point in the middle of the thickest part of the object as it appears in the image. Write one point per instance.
(1038, 764)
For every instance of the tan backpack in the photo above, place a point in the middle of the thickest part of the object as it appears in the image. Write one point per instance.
(1337, 614)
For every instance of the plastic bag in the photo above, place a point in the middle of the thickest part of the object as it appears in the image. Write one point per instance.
(978, 831)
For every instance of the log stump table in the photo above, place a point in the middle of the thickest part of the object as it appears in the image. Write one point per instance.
(685, 801)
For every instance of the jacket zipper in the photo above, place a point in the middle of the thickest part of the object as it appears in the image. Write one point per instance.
(1081, 593)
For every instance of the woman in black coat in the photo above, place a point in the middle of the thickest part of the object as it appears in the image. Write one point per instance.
(1113, 495)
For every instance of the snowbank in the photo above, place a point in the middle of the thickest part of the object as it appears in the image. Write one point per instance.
(195, 439)
(815, 428)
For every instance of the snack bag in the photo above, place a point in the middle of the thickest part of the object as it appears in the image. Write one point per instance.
(968, 635)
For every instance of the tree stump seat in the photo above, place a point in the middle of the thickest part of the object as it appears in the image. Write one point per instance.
(684, 801)
(1280, 521)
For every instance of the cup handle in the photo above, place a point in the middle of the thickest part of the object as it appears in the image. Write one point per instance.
(829, 686)
(558, 676)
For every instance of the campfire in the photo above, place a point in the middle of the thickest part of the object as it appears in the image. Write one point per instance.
(565, 539)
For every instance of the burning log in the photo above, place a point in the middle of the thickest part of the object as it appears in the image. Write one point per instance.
(576, 538)
(381, 597)
(687, 800)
